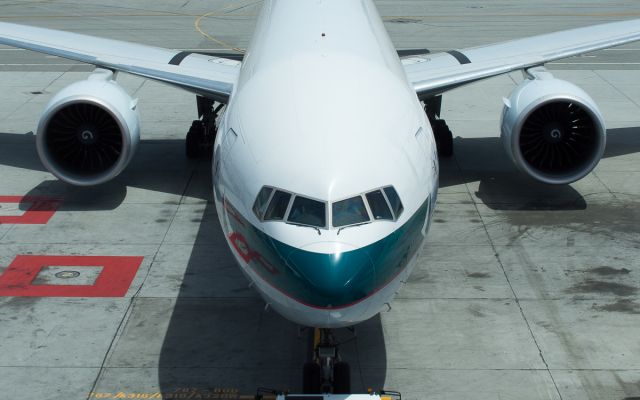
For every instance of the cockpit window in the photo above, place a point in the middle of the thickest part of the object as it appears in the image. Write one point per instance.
(309, 212)
(262, 201)
(278, 206)
(349, 212)
(379, 206)
(273, 204)
(394, 201)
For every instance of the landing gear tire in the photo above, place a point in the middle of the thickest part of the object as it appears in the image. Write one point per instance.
(194, 138)
(311, 378)
(341, 378)
(202, 134)
(444, 138)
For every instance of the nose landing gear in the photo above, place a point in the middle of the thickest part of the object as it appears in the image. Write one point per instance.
(326, 373)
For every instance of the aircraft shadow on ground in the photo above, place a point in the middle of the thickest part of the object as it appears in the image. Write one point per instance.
(221, 336)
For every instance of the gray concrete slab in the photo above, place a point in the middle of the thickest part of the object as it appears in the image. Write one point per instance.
(474, 384)
(473, 270)
(217, 274)
(126, 224)
(58, 332)
(462, 222)
(457, 335)
(616, 384)
(571, 272)
(46, 383)
(189, 226)
(585, 334)
(524, 291)
(4, 229)
(621, 183)
(187, 382)
(609, 223)
(216, 338)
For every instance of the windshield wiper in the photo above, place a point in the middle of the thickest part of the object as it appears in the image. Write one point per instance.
(305, 226)
(351, 226)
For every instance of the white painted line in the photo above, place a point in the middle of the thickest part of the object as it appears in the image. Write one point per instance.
(11, 210)
(222, 49)
(229, 50)
(225, 49)
(39, 65)
(596, 63)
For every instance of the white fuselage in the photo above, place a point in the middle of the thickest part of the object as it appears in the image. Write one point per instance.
(323, 109)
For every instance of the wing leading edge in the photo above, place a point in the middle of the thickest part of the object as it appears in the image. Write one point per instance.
(434, 74)
(209, 76)
(214, 77)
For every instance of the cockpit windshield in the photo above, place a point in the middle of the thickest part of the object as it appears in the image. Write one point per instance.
(378, 205)
(309, 212)
(278, 206)
(349, 212)
(262, 201)
(273, 204)
(394, 200)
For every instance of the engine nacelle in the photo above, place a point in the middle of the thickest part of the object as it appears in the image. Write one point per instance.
(89, 131)
(552, 130)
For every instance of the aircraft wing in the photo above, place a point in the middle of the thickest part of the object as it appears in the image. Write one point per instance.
(208, 76)
(434, 74)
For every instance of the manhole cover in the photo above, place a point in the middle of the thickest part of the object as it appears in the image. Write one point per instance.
(67, 274)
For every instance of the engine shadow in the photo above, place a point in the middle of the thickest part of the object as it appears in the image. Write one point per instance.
(495, 181)
(221, 336)
(622, 141)
(159, 166)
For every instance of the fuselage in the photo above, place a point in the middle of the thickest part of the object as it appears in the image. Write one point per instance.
(323, 112)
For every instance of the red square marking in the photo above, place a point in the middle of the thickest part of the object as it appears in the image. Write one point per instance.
(114, 280)
(39, 213)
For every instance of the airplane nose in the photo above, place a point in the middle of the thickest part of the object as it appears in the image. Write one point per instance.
(336, 272)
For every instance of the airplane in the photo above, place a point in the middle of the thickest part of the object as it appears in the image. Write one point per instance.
(325, 143)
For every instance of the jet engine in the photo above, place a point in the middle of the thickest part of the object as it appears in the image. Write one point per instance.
(552, 130)
(89, 131)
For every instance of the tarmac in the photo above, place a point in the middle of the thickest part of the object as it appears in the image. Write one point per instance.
(524, 291)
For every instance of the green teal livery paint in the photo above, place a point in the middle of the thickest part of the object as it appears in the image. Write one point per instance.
(328, 280)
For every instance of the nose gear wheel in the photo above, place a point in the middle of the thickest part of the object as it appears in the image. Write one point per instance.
(326, 372)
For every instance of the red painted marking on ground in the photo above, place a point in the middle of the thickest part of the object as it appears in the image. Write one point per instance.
(114, 280)
(40, 211)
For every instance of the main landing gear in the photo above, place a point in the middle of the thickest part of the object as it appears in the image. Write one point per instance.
(326, 373)
(202, 133)
(441, 131)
